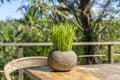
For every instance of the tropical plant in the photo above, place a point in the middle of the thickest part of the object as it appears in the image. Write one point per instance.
(62, 37)
(82, 13)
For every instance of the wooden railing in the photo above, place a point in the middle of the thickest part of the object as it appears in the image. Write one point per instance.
(21, 45)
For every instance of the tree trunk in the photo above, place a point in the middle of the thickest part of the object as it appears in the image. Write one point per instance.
(86, 24)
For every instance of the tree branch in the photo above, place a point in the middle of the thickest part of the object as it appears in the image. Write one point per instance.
(104, 7)
(106, 25)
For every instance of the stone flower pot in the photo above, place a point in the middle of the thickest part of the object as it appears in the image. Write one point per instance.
(62, 60)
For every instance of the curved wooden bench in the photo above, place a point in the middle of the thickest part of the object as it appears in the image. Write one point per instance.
(21, 63)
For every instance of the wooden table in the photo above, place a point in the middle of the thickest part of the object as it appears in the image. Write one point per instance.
(81, 72)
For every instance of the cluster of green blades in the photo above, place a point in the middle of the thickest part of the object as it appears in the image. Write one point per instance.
(62, 37)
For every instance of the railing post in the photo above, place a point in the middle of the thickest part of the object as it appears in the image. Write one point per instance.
(20, 54)
(111, 53)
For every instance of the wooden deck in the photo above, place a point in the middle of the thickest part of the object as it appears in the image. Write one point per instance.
(81, 72)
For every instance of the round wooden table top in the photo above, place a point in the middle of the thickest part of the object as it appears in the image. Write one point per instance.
(86, 72)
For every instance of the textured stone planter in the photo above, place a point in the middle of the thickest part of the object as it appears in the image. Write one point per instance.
(62, 60)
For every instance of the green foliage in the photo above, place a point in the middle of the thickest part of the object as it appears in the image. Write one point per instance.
(17, 31)
(62, 37)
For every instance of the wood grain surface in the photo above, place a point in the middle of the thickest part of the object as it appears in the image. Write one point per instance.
(81, 72)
